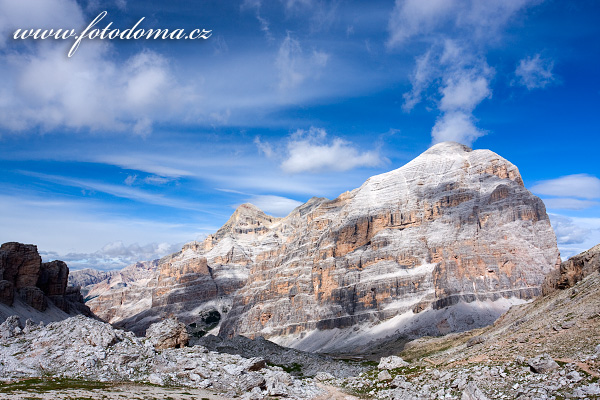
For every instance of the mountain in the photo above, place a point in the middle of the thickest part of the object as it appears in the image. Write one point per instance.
(545, 349)
(446, 243)
(35, 290)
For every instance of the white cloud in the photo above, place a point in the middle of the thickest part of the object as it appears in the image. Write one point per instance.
(43, 14)
(453, 72)
(565, 203)
(150, 164)
(264, 147)
(294, 66)
(156, 180)
(414, 17)
(310, 151)
(288, 63)
(44, 88)
(535, 72)
(574, 234)
(481, 21)
(274, 205)
(566, 231)
(125, 192)
(130, 180)
(460, 81)
(464, 90)
(114, 255)
(582, 186)
(456, 127)
(60, 228)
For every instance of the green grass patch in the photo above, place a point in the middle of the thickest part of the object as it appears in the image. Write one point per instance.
(40, 385)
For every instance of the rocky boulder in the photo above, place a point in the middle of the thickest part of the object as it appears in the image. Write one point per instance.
(573, 270)
(542, 364)
(167, 334)
(391, 362)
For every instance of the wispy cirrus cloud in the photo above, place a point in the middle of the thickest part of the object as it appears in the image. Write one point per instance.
(535, 72)
(125, 192)
(295, 66)
(145, 163)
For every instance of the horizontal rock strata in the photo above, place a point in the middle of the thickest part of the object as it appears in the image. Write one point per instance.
(445, 243)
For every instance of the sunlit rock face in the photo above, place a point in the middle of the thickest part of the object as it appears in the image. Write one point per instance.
(197, 281)
(445, 243)
(453, 226)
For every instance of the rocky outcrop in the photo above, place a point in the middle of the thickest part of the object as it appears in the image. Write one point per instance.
(167, 334)
(86, 349)
(25, 279)
(19, 269)
(573, 270)
(445, 243)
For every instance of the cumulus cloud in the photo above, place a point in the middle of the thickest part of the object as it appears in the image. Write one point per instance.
(453, 72)
(25, 14)
(459, 81)
(535, 72)
(456, 127)
(47, 89)
(91, 90)
(582, 186)
(311, 151)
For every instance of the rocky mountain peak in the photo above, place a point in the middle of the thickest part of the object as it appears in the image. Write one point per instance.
(445, 243)
(448, 148)
(247, 219)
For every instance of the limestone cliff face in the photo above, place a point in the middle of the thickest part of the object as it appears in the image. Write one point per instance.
(25, 279)
(445, 243)
(452, 225)
(201, 278)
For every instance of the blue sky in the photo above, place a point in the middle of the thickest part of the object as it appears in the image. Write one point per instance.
(128, 149)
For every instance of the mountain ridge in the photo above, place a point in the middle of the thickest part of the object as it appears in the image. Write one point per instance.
(452, 229)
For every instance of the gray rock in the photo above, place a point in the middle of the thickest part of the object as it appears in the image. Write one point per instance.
(384, 376)
(255, 364)
(574, 376)
(472, 392)
(250, 380)
(11, 327)
(475, 340)
(167, 334)
(323, 376)
(391, 362)
(541, 364)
